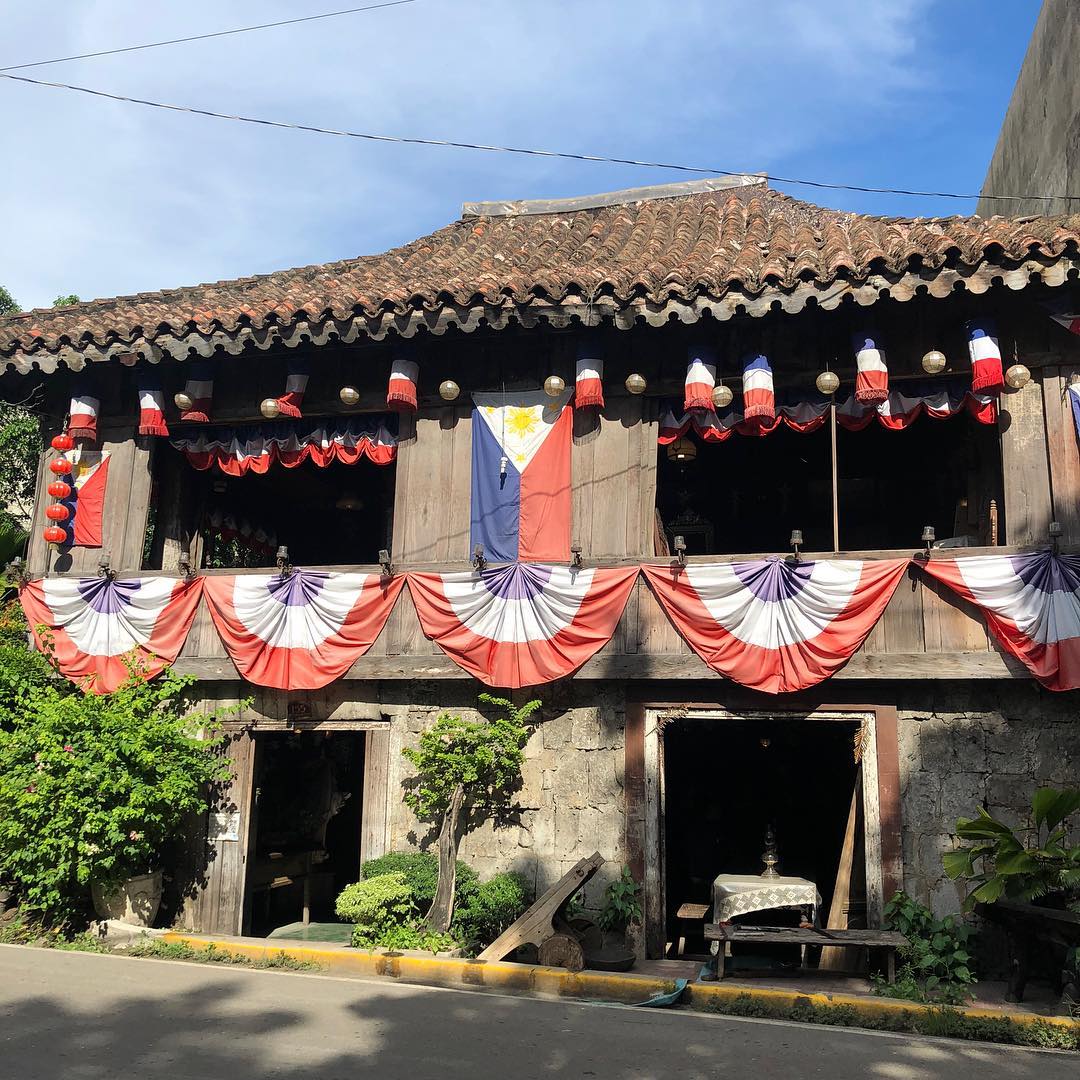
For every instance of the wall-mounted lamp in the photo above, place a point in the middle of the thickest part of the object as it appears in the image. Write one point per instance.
(1055, 534)
(478, 560)
(680, 550)
(282, 560)
(796, 542)
(576, 561)
(928, 538)
(105, 569)
(385, 563)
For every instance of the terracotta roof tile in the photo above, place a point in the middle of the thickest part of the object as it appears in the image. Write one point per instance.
(709, 243)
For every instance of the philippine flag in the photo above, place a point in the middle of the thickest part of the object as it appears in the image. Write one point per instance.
(90, 475)
(521, 494)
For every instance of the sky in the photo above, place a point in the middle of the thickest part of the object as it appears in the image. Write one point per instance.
(101, 198)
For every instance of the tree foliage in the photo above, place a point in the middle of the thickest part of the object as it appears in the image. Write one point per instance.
(66, 301)
(92, 787)
(8, 304)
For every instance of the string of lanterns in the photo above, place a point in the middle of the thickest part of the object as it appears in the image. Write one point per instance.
(60, 489)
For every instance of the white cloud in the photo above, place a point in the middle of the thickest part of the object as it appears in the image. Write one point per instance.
(101, 198)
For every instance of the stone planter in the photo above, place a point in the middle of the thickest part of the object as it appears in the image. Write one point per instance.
(135, 901)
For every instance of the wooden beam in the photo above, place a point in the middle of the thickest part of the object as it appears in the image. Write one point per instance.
(1025, 472)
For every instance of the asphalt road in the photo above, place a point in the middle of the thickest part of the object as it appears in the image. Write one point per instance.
(89, 1017)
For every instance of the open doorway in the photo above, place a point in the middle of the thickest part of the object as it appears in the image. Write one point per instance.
(307, 823)
(739, 792)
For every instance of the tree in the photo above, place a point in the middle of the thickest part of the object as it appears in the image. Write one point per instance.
(66, 301)
(8, 303)
(465, 770)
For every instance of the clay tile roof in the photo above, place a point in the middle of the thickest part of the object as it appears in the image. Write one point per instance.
(706, 243)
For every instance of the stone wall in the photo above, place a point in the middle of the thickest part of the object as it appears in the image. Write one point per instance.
(971, 744)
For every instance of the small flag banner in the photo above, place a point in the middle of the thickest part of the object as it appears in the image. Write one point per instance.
(521, 625)
(99, 625)
(302, 630)
(589, 379)
(700, 379)
(151, 404)
(1067, 317)
(89, 481)
(985, 356)
(759, 400)
(83, 412)
(521, 494)
(255, 447)
(901, 409)
(200, 388)
(774, 625)
(872, 378)
(295, 387)
(1031, 603)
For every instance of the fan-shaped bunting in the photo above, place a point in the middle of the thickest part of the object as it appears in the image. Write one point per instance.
(301, 630)
(100, 625)
(1032, 606)
(775, 625)
(522, 624)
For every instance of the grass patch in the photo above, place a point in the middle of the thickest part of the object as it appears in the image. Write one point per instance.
(22, 931)
(155, 948)
(944, 1022)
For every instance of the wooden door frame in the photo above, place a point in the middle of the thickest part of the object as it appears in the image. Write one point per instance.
(644, 797)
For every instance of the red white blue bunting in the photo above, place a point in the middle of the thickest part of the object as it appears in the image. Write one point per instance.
(523, 624)
(589, 378)
(301, 630)
(900, 410)
(872, 378)
(700, 379)
(774, 625)
(254, 448)
(985, 356)
(98, 626)
(1032, 606)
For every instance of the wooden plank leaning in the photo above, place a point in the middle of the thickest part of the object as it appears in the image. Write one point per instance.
(545, 925)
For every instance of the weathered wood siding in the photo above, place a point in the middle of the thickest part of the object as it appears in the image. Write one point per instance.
(1025, 470)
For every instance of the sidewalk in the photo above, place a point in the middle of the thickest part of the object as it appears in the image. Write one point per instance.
(631, 988)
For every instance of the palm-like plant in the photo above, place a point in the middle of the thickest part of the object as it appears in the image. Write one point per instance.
(998, 863)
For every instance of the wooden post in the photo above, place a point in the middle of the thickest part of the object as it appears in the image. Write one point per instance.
(442, 907)
(835, 484)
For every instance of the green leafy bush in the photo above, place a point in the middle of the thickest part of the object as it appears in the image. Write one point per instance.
(415, 936)
(93, 786)
(486, 908)
(421, 872)
(622, 905)
(376, 905)
(937, 963)
(999, 862)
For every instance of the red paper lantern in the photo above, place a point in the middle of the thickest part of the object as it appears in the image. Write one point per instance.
(58, 489)
(57, 512)
(62, 442)
(54, 534)
(60, 466)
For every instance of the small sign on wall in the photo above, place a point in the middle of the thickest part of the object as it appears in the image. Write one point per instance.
(224, 825)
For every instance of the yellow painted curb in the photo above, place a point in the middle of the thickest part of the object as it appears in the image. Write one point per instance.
(427, 970)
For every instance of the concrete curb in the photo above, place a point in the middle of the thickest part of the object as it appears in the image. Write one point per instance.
(624, 988)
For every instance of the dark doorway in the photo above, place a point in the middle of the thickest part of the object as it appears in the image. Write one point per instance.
(727, 781)
(307, 818)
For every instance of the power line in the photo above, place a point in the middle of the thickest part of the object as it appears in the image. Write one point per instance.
(530, 152)
(204, 37)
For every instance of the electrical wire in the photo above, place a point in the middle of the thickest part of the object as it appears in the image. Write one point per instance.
(530, 152)
(205, 37)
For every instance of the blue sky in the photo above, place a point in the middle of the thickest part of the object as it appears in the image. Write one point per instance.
(102, 198)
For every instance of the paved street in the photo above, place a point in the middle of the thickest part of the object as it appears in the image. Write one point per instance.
(89, 1017)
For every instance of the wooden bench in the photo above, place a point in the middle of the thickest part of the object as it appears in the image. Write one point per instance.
(888, 940)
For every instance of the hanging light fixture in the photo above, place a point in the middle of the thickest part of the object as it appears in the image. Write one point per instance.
(54, 535)
(554, 385)
(62, 442)
(827, 383)
(349, 395)
(933, 362)
(721, 396)
(183, 401)
(60, 466)
(636, 383)
(349, 501)
(1018, 376)
(270, 408)
(58, 489)
(449, 390)
(57, 512)
(682, 450)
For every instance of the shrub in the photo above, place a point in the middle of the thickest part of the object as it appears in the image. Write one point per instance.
(937, 962)
(93, 786)
(376, 905)
(622, 905)
(413, 936)
(421, 873)
(487, 908)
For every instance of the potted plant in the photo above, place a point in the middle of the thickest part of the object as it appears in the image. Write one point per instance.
(619, 919)
(92, 788)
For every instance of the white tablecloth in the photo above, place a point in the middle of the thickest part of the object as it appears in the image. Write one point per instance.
(738, 894)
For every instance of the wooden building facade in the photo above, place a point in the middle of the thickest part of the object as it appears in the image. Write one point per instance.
(645, 753)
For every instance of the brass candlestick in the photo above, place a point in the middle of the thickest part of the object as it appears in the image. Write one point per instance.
(770, 857)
